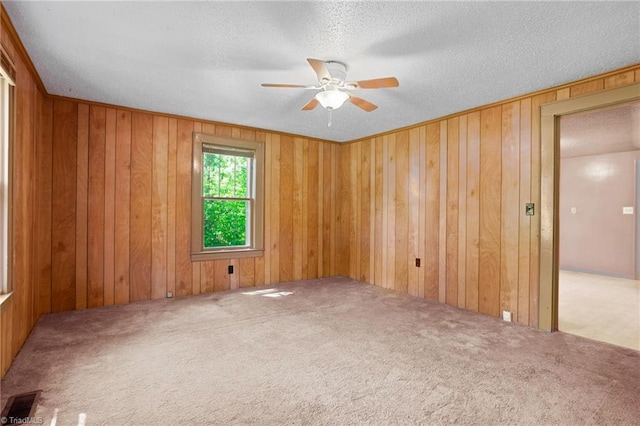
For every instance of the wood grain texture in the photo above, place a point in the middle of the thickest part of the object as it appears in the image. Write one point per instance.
(141, 198)
(401, 276)
(311, 208)
(109, 206)
(172, 152)
(159, 207)
(524, 232)
(275, 207)
(365, 259)
(328, 176)
(452, 192)
(620, 79)
(122, 206)
(510, 206)
(587, 87)
(414, 228)
(82, 188)
(96, 207)
(490, 205)
(473, 212)
(298, 253)
(45, 200)
(462, 211)
(63, 220)
(432, 227)
(442, 239)
(286, 209)
(184, 274)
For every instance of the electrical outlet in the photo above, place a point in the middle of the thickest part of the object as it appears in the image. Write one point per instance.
(169, 294)
(506, 316)
(417, 262)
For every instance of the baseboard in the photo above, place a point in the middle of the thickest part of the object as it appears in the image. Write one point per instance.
(594, 272)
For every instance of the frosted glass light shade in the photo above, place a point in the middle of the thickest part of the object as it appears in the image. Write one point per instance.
(333, 99)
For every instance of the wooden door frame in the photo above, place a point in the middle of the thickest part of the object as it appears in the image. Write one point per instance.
(550, 190)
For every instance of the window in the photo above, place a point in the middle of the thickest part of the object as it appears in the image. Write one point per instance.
(6, 117)
(227, 199)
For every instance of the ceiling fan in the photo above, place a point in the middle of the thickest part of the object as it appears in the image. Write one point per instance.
(334, 87)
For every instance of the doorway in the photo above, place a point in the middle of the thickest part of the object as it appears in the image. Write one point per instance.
(550, 193)
(598, 295)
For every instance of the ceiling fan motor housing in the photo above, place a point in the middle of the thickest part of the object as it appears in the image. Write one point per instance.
(338, 71)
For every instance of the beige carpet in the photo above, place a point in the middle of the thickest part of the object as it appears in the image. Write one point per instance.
(330, 351)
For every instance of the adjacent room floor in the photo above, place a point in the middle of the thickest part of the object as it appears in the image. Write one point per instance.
(329, 351)
(600, 307)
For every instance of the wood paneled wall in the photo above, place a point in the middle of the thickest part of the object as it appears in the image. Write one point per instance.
(120, 209)
(452, 192)
(18, 314)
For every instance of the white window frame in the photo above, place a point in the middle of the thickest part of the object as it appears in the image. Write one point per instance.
(7, 86)
(255, 233)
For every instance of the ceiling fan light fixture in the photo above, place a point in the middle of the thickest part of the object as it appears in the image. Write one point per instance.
(333, 99)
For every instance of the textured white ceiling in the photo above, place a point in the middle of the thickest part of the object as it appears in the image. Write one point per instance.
(207, 59)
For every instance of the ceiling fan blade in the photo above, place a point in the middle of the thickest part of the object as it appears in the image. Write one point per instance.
(310, 105)
(324, 76)
(295, 86)
(361, 103)
(377, 83)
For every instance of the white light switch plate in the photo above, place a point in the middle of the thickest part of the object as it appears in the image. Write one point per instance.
(627, 210)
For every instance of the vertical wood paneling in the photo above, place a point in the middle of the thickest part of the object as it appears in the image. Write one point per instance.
(340, 211)
(452, 193)
(45, 201)
(260, 263)
(365, 244)
(312, 201)
(286, 208)
(96, 207)
(389, 215)
(432, 227)
(414, 228)
(422, 214)
(299, 257)
(82, 188)
(379, 213)
(509, 220)
(442, 238)
(354, 209)
(328, 171)
(267, 210)
(275, 207)
(473, 211)
(171, 203)
(247, 272)
(490, 202)
(401, 278)
(109, 206)
(141, 199)
(122, 205)
(184, 274)
(524, 238)
(221, 279)
(159, 207)
(63, 220)
(462, 212)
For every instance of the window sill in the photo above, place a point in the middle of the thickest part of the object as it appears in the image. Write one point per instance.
(5, 300)
(228, 254)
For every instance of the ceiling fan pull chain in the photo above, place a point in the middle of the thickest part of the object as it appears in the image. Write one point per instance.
(330, 115)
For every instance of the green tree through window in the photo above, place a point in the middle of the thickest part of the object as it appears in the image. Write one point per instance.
(226, 196)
